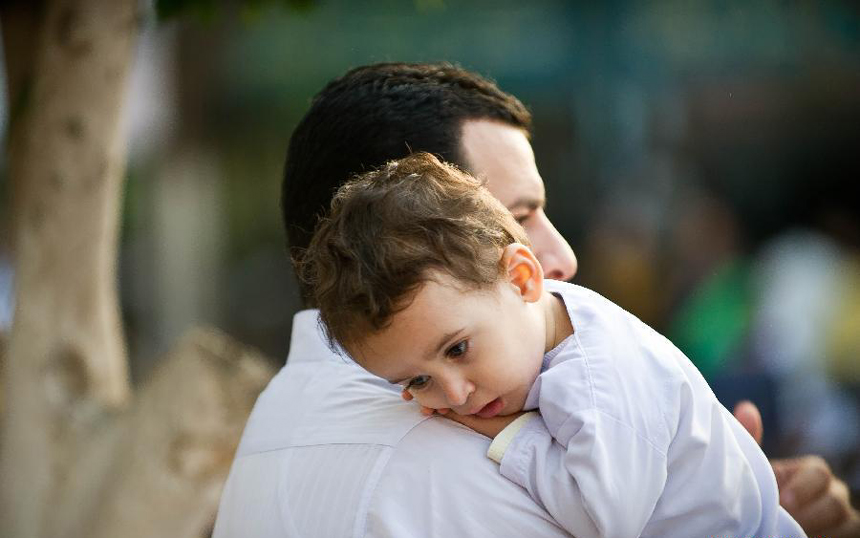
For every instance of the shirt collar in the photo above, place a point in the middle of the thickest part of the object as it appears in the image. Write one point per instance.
(308, 342)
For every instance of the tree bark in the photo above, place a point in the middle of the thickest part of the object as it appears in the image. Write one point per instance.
(78, 456)
(66, 359)
(177, 445)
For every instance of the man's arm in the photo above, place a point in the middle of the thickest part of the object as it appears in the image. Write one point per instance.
(808, 490)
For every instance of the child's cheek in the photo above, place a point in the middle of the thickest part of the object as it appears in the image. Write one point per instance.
(427, 400)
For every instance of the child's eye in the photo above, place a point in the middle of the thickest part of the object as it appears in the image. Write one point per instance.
(459, 349)
(418, 382)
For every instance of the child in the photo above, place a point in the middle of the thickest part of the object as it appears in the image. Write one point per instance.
(426, 280)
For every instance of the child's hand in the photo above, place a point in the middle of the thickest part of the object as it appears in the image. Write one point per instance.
(406, 395)
(491, 427)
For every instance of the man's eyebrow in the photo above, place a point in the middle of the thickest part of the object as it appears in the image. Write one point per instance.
(530, 203)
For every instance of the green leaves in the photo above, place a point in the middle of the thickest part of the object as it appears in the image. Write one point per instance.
(209, 10)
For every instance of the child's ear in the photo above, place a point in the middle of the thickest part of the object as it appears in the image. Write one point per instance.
(523, 270)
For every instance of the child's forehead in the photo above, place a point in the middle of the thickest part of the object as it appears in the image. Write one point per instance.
(442, 295)
(441, 306)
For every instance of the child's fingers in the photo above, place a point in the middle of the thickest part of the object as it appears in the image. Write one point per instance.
(406, 395)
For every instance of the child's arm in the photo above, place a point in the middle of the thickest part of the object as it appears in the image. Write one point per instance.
(592, 474)
(600, 477)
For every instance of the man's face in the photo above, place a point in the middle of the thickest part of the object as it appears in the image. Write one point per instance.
(476, 352)
(501, 155)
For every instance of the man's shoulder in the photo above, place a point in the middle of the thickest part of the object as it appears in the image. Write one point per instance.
(320, 398)
(320, 402)
(326, 432)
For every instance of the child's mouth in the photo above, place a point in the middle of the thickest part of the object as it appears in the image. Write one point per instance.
(491, 409)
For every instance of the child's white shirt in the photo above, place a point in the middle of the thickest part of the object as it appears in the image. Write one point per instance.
(631, 441)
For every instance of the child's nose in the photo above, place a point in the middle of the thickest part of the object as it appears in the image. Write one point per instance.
(457, 391)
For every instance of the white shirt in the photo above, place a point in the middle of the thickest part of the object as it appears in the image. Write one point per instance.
(332, 451)
(631, 441)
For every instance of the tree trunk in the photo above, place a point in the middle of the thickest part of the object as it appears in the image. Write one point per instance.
(78, 456)
(66, 365)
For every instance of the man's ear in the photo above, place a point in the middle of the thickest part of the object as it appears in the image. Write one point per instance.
(523, 271)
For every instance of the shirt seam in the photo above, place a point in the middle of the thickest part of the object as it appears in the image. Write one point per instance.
(373, 481)
(360, 528)
(520, 464)
(635, 432)
(587, 360)
(342, 443)
(279, 496)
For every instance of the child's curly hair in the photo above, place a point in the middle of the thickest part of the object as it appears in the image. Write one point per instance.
(389, 231)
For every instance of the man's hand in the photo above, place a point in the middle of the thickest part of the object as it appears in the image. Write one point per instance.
(750, 418)
(808, 491)
(815, 498)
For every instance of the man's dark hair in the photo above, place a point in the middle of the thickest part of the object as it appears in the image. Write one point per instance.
(377, 113)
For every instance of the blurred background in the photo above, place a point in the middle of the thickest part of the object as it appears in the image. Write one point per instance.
(702, 158)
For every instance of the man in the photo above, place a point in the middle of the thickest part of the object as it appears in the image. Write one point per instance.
(330, 450)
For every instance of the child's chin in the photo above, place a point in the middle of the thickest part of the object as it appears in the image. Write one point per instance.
(513, 404)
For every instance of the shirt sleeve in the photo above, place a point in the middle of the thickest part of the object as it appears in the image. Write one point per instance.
(505, 437)
(593, 474)
(621, 407)
(597, 476)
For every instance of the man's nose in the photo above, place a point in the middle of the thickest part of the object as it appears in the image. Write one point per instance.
(457, 390)
(552, 251)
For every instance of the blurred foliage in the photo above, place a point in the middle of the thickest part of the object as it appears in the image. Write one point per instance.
(208, 10)
(637, 107)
